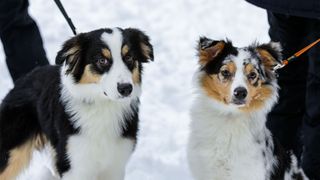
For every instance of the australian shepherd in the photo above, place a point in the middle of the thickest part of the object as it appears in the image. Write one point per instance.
(236, 89)
(84, 109)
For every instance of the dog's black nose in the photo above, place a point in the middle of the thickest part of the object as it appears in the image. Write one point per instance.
(125, 89)
(240, 93)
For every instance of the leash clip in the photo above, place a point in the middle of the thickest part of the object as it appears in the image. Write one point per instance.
(277, 67)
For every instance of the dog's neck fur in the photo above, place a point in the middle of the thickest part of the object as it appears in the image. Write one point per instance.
(230, 132)
(229, 118)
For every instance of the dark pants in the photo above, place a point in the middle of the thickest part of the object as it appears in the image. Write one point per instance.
(295, 120)
(20, 37)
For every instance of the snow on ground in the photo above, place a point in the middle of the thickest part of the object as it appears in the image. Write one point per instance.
(174, 27)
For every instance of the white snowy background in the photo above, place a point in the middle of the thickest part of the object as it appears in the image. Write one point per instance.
(174, 27)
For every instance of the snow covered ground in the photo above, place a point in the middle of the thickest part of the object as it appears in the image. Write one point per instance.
(174, 27)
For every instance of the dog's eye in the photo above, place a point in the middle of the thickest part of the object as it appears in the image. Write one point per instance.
(103, 62)
(252, 75)
(225, 73)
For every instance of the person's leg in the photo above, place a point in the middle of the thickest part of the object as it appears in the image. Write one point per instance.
(20, 37)
(284, 121)
(311, 126)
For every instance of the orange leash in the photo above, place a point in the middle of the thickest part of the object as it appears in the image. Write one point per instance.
(297, 54)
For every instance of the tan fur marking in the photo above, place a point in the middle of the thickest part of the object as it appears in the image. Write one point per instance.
(136, 74)
(258, 94)
(106, 53)
(125, 50)
(206, 55)
(20, 157)
(88, 76)
(249, 68)
(257, 97)
(71, 56)
(230, 66)
(71, 51)
(146, 50)
(215, 88)
(267, 58)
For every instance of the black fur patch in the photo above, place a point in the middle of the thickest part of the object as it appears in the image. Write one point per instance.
(134, 38)
(34, 107)
(130, 127)
(213, 66)
(284, 161)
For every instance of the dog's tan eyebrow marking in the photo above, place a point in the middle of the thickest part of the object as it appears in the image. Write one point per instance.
(125, 50)
(106, 53)
(249, 68)
(231, 67)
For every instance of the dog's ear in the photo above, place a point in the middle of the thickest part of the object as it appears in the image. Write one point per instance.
(140, 43)
(209, 49)
(270, 54)
(70, 53)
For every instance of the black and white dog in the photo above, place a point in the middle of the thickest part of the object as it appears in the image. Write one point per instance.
(85, 109)
(236, 88)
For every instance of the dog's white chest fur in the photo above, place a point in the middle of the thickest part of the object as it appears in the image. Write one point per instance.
(223, 147)
(98, 151)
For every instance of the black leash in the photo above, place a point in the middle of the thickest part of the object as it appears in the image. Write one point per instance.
(63, 11)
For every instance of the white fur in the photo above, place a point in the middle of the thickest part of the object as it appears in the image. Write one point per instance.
(41, 166)
(239, 78)
(276, 45)
(294, 169)
(223, 145)
(99, 152)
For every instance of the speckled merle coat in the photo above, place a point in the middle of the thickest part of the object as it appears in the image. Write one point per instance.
(235, 90)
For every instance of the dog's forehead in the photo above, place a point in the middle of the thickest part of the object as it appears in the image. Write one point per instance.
(242, 58)
(113, 38)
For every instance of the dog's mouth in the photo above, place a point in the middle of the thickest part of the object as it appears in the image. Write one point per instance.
(239, 103)
(119, 98)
